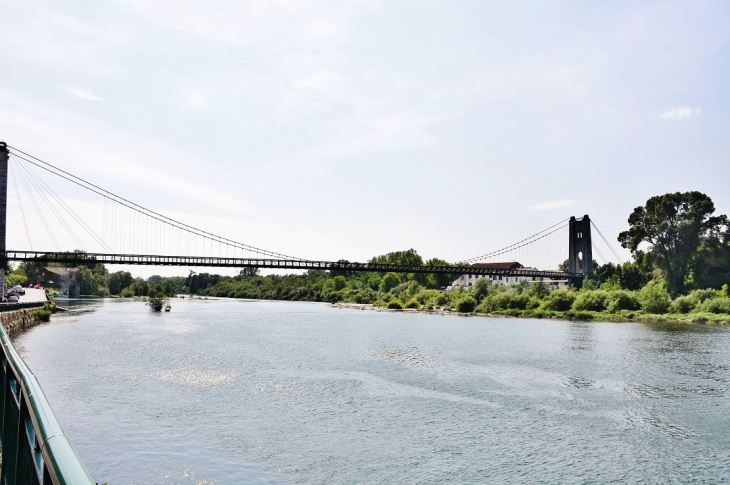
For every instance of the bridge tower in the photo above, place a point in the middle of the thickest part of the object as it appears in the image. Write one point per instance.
(580, 253)
(3, 212)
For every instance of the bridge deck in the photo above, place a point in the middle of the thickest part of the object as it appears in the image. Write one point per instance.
(216, 262)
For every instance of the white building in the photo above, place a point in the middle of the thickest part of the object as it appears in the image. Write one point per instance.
(470, 280)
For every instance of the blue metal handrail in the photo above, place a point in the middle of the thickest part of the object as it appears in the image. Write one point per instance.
(34, 448)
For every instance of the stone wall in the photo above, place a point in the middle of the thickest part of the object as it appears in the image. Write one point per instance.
(17, 320)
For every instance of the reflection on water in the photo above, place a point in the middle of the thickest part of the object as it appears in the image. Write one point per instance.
(220, 392)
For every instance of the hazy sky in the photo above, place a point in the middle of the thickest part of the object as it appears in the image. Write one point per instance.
(345, 129)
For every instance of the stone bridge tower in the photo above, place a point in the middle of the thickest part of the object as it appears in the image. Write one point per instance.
(580, 253)
(3, 212)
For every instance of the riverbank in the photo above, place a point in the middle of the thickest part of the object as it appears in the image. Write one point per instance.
(624, 316)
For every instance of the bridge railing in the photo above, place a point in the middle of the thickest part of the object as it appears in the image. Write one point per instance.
(222, 262)
(35, 450)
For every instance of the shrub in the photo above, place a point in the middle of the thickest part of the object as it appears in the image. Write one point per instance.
(683, 304)
(700, 296)
(592, 301)
(395, 305)
(715, 305)
(481, 289)
(518, 302)
(621, 300)
(539, 289)
(379, 303)
(559, 301)
(466, 305)
(492, 303)
(42, 315)
(127, 292)
(534, 303)
(442, 299)
(156, 303)
(654, 297)
(423, 296)
(413, 288)
(412, 303)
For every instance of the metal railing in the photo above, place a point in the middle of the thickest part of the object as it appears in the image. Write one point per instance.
(221, 262)
(34, 448)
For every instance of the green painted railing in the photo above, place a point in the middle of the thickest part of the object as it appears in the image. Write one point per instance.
(34, 447)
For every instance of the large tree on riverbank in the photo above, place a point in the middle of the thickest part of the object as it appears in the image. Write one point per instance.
(675, 226)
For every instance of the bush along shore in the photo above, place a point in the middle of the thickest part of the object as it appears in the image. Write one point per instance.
(650, 304)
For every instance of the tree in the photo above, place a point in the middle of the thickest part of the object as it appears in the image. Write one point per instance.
(119, 281)
(674, 225)
(248, 273)
(439, 280)
(711, 268)
(389, 281)
(404, 258)
(92, 283)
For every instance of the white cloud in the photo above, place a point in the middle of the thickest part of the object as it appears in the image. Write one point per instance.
(553, 204)
(83, 94)
(680, 113)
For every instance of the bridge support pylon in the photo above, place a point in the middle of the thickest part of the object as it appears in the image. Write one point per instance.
(3, 213)
(580, 249)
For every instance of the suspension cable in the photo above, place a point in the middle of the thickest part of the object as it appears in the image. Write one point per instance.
(68, 209)
(43, 195)
(35, 204)
(512, 246)
(620, 260)
(519, 244)
(147, 212)
(22, 212)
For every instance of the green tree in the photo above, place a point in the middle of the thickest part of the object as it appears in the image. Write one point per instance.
(389, 281)
(339, 283)
(119, 281)
(17, 277)
(711, 268)
(439, 280)
(249, 273)
(404, 258)
(92, 282)
(674, 225)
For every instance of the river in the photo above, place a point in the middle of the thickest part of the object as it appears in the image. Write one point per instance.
(233, 391)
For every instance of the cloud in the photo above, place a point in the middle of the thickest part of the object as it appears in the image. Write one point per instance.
(83, 94)
(680, 113)
(553, 204)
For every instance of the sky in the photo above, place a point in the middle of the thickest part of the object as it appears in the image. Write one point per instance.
(345, 129)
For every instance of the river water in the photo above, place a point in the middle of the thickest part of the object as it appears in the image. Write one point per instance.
(232, 391)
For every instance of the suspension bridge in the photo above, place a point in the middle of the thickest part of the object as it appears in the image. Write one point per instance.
(122, 232)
